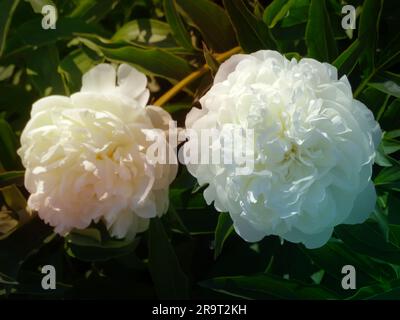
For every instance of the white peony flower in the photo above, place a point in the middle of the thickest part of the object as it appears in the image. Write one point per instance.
(314, 148)
(85, 155)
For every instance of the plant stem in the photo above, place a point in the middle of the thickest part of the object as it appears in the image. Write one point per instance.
(192, 77)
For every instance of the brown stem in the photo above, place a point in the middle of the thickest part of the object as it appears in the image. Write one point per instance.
(192, 77)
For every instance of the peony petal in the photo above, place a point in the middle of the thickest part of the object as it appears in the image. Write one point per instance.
(132, 83)
(100, 79)
(311, 241)
(246, 230)
(51, 102)
(363, 206)
(228, 67)
(160, 118)
(125, 223)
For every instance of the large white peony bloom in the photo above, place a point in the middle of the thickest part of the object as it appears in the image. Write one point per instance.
(314, 148)
(85, 155)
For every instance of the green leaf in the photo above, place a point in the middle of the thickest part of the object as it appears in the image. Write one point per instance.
(212, 63)
(391, 53)
(390, 119)
(381, 158)
(390, 145)
(179, 31)
(72, 67)
(146, 32)
(319, 35)
(16, 201)
(381, 291)
(387, 176)
(393, 134)
(169, 280)
(43, 73)
(7, 8)
(37, 5)
(176, 107)
(389, 76)
(367, 239)
(175, 222)
(368, 32)
(21, 244)
(298, 14)
(18, 112)
(222, 232)
(11, 177)
(334, 255)
(388, 87)
(394, 229)
(265, 286)
(393, 206)
(212, 22)
(151, 61)
(348, 59)
(32, 35)
(91, 245)
(93, 10)
(251, 32)
(8, 223)
(8, 147)
(276, 11)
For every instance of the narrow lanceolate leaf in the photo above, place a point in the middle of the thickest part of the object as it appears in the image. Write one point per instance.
(93, 10)
(276, 11)
(388, 87)
(11, 177)
(251, 32)
(7, 8)
(388, 176)
(265, 286)
(367, 239)
(37, 5)
(368, 32)
(319, 35)
(379, 291)
(222, 232)
(31, 35)
(179, 31)
(147, 32)
(334, 255)
(348, 59)
(149, 60)
(212, 63)
(212, 22)
(88, 245)
(169, 280)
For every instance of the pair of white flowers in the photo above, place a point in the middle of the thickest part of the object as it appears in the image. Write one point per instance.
(314, 150)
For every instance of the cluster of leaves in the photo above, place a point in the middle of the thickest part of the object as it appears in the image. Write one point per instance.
(192, 251)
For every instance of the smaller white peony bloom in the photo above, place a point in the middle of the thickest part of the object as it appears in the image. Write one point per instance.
(85, 155)
(313, 155)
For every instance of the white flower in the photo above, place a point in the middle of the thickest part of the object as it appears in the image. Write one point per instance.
(314, 148)
(85, 155)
